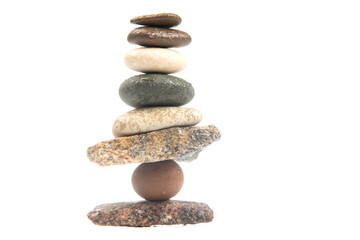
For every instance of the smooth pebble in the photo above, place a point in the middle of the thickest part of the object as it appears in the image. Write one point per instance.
(159, 37)
(158, 181)
(143, 120)
(160, 60)
(159, 20)
(155, 89)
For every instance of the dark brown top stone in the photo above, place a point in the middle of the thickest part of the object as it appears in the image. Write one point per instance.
(146, 214)
(158, 20)
(177, 143)
(159, 37)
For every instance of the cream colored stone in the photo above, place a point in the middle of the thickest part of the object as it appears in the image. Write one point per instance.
(150, 119)
(161, 60)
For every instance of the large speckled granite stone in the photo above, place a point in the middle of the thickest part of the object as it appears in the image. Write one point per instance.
(178, 143)
(143, 120)
(146, 214)
(152, 90)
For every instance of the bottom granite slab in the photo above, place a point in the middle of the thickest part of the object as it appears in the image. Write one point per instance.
(146, 214)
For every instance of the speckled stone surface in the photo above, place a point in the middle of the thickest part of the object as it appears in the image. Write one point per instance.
(159, 37)
(153, 89)
(146, 214)
(178, 143)
(160, 60)
(159, 19)
(143, 120)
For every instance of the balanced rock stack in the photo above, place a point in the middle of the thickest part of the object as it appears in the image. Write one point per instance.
(157, 133)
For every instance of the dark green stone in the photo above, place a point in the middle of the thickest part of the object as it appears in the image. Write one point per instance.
(154, 89)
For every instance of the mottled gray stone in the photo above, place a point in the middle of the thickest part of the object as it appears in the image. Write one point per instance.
(153, 89)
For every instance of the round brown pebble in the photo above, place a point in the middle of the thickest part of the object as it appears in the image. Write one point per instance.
(159, 20)
(159, 37)
(158, 181)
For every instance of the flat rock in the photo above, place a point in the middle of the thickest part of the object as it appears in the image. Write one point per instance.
(153, 89)
(146, 214)
(159, 37)
(160, 20)
(178, 143)
(143, 120)
(160, 60)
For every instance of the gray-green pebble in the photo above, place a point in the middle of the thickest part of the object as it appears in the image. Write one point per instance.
(154, 89)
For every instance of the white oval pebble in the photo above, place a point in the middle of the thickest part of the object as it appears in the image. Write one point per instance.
(160, 60)
(143, 120)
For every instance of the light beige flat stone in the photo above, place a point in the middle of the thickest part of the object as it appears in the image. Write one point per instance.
(160, 60)
(150, 119)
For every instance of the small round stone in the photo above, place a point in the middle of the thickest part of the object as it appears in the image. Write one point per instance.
(155, 89)
(160, 60)
(158, 181)
(159, 37)
(159, 20)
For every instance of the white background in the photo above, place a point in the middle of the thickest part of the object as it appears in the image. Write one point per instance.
(279, 78)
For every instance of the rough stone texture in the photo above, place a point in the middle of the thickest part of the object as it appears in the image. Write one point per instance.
(160, 20)
(153, 89)
(143, 120)
(160, 60)
(178, 143)
(146, 214)
(159, 37)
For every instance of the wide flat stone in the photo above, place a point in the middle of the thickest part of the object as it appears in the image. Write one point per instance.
(155, 60)
(159, 19)
(159, 37)
(178, 143)
(153, 89)
(146, 214)
(143, 120)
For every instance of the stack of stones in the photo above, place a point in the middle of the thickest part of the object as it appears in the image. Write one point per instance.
(157, 133)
